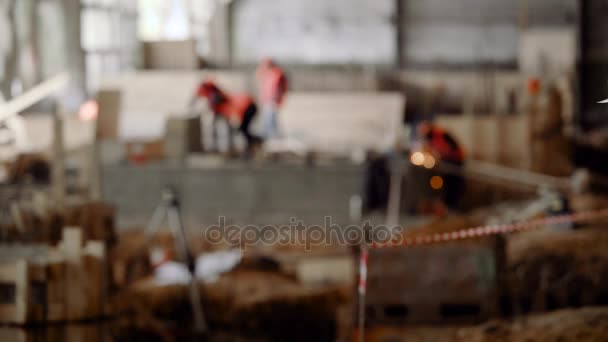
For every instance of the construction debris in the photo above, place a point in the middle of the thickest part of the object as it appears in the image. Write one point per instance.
(549, 270)
(44, 284)
(585, 324)
(254, 304)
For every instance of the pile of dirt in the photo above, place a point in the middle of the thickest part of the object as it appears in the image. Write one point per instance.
(586, 324)
(548, 270)
(588, 202)
(254, 304)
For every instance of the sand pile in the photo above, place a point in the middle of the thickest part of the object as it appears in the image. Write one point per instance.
(249, 303)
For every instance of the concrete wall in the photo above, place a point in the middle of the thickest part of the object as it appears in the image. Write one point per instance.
(315, 31)
(270, 194)
(473, 32)
(347, 78)
(414, 33)
(459, 32)
(343, 123)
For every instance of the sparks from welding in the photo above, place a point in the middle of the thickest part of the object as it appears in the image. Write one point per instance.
(436, 182)
(417, 158)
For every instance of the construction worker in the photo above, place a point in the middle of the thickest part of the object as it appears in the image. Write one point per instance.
(238, 110)
(272, 85)
(434, 139)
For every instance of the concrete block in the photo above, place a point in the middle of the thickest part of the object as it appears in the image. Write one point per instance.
(183, 136)
(170, 55)
(450, 282)
(343, 122)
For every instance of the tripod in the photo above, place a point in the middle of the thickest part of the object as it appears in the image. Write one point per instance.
(169, 206)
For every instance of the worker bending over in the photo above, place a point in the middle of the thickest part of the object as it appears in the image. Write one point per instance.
(272, 85)
(238, 110)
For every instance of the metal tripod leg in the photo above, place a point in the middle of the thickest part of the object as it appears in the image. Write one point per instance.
(155, 222)
(169, 207)
(181, 245)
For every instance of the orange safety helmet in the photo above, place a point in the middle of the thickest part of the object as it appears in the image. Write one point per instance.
(206, 87)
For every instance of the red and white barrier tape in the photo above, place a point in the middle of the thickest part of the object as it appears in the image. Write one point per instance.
(363, 270)
(477, 232)
(463, 234)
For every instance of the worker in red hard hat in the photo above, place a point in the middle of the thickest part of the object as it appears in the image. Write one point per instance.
(272, 86)
(238, 110)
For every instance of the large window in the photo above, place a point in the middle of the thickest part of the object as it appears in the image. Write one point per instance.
(177, 20)
(108, 37)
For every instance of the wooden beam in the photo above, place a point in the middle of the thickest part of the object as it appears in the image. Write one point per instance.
(33, 96)
(58, 153)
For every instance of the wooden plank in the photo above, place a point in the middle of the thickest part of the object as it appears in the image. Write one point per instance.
(58, 158)
(70, 284)
(56, 294)
(13, 276)
(109, 110)
(23, 292)
(75, 278)
(33, 96)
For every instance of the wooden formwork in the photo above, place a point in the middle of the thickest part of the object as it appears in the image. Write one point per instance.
(66, 283)
(22, 292)
(456, 282)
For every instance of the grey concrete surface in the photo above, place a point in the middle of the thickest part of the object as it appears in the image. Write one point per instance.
(244, 194)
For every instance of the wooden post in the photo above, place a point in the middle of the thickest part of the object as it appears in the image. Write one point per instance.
(94, 166)
(362, 289)
(58, 162)
(72, 249)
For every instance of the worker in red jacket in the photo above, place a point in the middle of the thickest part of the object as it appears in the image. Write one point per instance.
(238, 110)
(272, 85)
(443, 145)
(440, 142)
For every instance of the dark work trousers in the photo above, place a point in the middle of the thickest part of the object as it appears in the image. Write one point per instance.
(245, 127)
(454, 185)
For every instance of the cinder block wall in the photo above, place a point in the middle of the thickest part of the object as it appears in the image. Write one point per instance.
(269, 194)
